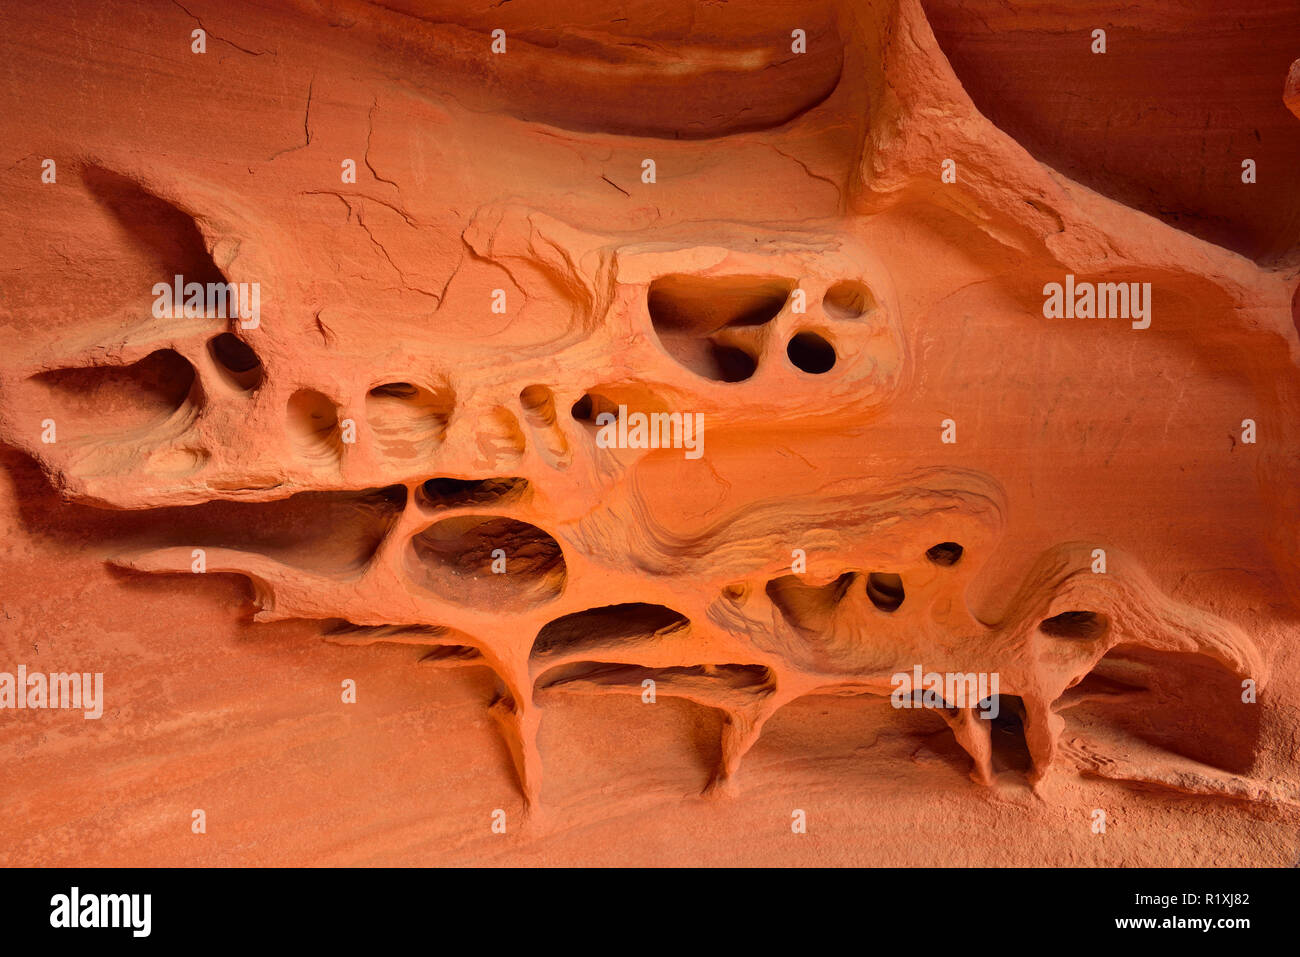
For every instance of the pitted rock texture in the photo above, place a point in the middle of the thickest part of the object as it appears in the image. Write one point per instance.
(902, 462)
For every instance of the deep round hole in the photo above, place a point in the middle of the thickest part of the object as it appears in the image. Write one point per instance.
(1075, 624)
(582, 409)
(945, 553)
(237, 361)
(885, 590)
(848, 300)
(732, 364)
(811, 353)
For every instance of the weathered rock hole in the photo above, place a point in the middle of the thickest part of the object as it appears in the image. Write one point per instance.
(395, 390)
(729, 364)
(537, 399)
(1007, 735)
(810, 353)
(460, 493)
(885, 590)
(848, 299)
(699, 305)
(637, 399)
(693, 679)
(455, 558)
(314, 427)
(409, 421)
(688, 312)
(236, 361)
(584, 410)
(945, 553)
(538, 403)
(609, 627)
(104, 400)
(808, 607)
(1075, 624)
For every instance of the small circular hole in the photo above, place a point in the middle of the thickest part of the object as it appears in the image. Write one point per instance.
(811, 353)
(945, 553)
(582, 409)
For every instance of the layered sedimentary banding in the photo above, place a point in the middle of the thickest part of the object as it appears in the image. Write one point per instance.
(904, 461)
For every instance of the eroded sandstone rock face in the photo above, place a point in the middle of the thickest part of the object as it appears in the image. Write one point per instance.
(782, 237)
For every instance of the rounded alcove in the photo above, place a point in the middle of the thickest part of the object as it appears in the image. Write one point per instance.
(489, 562)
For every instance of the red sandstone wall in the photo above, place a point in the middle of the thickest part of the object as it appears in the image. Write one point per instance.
(276, 535)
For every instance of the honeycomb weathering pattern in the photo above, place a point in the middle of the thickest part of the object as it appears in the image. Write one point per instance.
(361, 455)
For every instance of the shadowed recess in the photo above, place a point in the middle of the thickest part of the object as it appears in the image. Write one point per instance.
(104, 400)
(339, 631)
(161, 232)
(809, 352)
(885, 590)
(808, 607)
(236, 361)
(945, 553)
(440, 644)
(1007, 735)
(1191, 706)
(463, 493)
(1075, 624)
(608, 398)
(447, 655)
(701, 305)
(487, 562)
(612, 626)
(333, 533)
(701, 321)
(700, 682)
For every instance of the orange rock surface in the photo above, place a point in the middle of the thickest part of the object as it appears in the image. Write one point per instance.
(369, 583)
